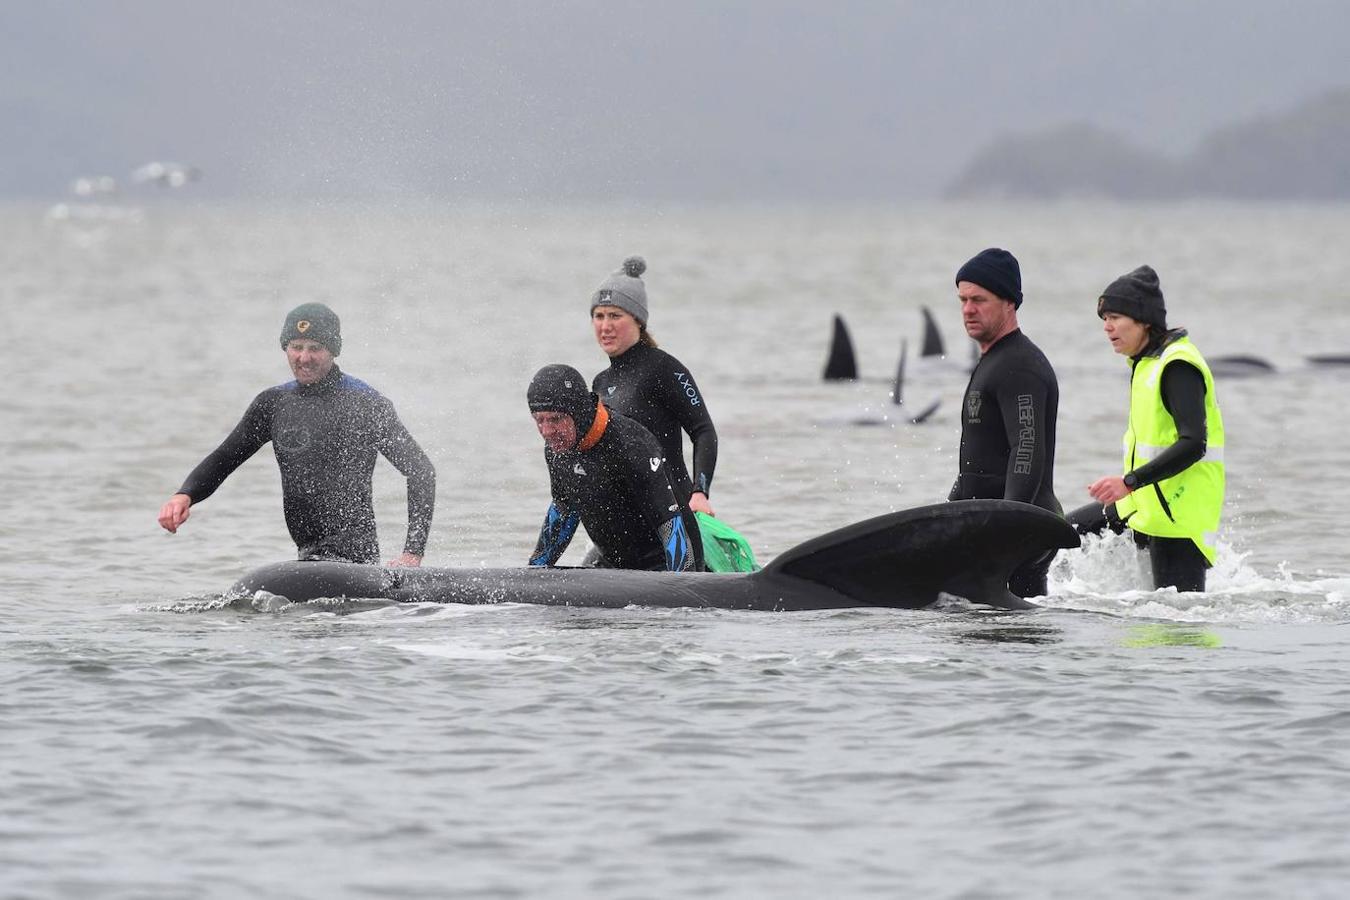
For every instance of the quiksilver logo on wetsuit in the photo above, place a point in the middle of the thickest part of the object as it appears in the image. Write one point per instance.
(656, 463)
(578, 469)
(689, 390)
(292, 440)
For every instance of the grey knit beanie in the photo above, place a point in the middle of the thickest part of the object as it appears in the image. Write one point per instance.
(625, 290)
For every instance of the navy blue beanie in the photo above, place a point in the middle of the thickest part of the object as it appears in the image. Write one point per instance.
(997, 272)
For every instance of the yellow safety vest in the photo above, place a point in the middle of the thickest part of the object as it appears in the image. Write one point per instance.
(1188, 504)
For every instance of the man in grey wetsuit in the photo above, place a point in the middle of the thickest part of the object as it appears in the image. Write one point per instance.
(326, 428)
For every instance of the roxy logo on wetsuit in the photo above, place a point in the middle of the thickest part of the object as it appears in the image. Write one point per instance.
(689, 390)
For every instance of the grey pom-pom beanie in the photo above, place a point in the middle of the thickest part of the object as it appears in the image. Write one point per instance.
(624, 289)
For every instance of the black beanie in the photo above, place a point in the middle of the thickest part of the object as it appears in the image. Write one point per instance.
(997, 272)
(313, 322)
(559, 388)
(1137, 295)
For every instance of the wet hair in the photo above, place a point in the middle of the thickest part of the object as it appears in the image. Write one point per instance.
(645, 337)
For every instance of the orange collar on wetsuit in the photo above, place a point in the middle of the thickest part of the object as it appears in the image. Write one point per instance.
(597, 429)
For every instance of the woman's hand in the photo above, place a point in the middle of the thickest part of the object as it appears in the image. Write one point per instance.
(1108, 490)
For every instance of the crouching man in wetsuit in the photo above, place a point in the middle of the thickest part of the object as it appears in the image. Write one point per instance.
(1011, 404)
(1171, 495)
(606, 472)
(326, 428)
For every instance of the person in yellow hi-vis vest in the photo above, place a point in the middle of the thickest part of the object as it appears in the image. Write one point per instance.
(1171, 493)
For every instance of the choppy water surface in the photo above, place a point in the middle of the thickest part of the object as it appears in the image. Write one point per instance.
(161, 742)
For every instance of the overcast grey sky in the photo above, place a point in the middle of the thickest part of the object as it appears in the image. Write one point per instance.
(673, 99)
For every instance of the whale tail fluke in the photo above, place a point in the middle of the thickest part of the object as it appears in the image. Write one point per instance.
(966, 548)
(898, 390)
(926, 413)
(842, 364)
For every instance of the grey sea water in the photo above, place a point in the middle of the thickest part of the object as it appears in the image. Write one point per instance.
(159, 741)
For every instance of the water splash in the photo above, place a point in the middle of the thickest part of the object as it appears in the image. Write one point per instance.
(1109, 574)
(264, 602)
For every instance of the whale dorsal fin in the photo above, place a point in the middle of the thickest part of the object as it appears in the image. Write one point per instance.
(932, 338)
(842, 364)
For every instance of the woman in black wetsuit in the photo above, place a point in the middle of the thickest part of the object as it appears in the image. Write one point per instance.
(651, 386)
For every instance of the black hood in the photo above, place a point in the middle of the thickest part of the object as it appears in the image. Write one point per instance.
(559, 388)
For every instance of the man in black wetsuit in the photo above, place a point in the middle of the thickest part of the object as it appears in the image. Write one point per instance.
(1011, 404)
(606, 472)
(326, 428)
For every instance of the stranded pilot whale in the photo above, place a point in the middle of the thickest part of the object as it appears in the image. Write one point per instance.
(902, 560)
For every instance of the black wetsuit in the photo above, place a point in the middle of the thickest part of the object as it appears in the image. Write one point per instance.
(620, 489)
(1176, 562)
(1008, 438)
(654, 388)
(325, 436)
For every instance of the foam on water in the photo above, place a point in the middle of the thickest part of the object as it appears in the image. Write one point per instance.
(514, 653)
(1109, 574)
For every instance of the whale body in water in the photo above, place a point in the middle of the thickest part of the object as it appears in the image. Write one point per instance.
(902, 560)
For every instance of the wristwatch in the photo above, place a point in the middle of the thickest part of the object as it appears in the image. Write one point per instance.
(1131, 480)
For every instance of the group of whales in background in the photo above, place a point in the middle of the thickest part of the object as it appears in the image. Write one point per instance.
(842, 365)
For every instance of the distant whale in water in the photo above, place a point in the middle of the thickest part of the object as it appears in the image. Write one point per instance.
(1334, 359)
(842, 365)
(1238, 366)
(903, 560)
